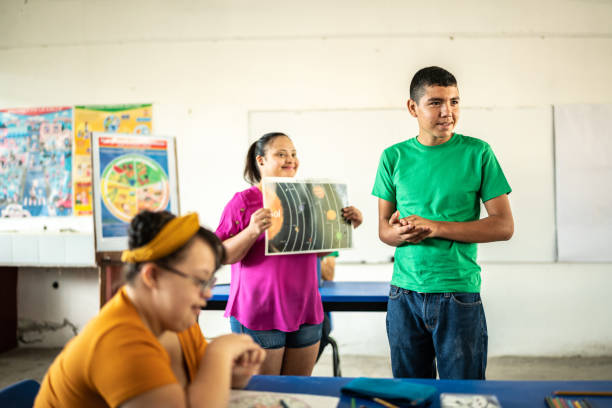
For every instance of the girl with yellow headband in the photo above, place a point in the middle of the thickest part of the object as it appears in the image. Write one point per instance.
(275, 299)
(145, 348)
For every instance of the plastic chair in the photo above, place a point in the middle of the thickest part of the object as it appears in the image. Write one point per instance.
(19, 395)
(327, 339)
(326, 329)
(335, 357)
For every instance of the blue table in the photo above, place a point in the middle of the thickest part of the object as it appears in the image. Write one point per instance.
(523, 394)
(336, 296)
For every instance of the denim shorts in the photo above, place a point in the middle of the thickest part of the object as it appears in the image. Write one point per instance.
(307, 335)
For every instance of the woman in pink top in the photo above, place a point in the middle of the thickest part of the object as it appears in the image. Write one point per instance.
(275, 299)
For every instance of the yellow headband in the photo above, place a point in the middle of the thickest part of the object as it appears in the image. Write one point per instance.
(172, 236)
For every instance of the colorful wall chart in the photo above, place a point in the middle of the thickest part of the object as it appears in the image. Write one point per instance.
(36, 162)
(131, 173)
(306, 216)
(136, 119)
(133, 177)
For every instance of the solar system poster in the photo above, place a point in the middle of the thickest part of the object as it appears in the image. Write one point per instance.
(126, 118)
(131, 173)
(306, 216)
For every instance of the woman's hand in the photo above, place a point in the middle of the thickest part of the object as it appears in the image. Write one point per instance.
(246, 366)
(216, 372)
(353, 215)
(240, 349)
(246, 356)
(239, 245)
(261, 220)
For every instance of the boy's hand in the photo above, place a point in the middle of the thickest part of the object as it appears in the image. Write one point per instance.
(422, 223)
(406, 229)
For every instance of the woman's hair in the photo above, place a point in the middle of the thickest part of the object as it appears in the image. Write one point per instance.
(258, 148)
(147, 224)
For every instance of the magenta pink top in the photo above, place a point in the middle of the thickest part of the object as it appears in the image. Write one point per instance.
(268, 292)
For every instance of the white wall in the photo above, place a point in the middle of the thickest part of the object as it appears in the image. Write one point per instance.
(43, 308)
(207, 65)
(536, 309)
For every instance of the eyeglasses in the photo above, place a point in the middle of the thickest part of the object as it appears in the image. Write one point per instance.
(203, 284)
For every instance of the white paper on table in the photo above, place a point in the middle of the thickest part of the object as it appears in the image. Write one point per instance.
(250, 399)
(449, 400)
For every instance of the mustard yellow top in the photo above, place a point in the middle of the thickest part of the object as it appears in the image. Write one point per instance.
(115, 358)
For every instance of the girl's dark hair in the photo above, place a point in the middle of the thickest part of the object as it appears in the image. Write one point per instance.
(147, 224)
(258, 148)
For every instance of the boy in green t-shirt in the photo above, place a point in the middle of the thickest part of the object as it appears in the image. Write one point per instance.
(429, 190)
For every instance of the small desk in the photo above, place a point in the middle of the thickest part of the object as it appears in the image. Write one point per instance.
(336, 296)
(511, 394)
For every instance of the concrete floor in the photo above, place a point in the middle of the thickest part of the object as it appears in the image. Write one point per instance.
(22, 363)
(498, 368)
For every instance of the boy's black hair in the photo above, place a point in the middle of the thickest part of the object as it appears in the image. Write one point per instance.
(429, 76)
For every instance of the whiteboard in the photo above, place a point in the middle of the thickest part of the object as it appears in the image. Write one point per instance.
(346, 145)
(583, 147)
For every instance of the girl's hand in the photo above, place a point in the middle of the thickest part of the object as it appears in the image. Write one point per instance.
(239, 348)
(261, 220)
(241, 354)
(353, 215)
(247, 365)
(250, 360)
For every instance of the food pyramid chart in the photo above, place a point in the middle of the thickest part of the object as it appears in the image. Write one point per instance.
(133, 182)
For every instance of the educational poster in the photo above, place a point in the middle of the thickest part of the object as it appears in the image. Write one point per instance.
(131, 173)
(136, 119)
(306, 216)
(36, 162)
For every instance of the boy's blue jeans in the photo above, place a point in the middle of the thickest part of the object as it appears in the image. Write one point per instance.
(447, 327)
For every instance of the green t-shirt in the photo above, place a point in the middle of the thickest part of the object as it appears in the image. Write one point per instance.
(440, 183)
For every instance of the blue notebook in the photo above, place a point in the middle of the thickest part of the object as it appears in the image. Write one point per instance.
(398, 392)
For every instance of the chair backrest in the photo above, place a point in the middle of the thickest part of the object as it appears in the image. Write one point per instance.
(19, 395)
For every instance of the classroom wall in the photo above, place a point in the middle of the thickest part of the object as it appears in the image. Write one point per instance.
(209, 66)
